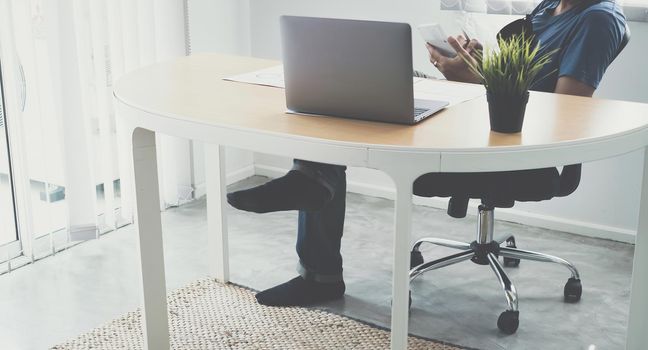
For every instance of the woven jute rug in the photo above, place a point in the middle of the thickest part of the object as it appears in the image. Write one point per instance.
(211, 315)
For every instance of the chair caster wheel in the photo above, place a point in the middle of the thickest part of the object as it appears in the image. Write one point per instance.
(509, 321)
(416, 259)
(511, 262)
(573, 290)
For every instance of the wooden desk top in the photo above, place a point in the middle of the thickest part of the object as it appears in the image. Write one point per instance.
(192, 89)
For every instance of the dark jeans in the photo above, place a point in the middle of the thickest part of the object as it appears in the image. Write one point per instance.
(320, 232)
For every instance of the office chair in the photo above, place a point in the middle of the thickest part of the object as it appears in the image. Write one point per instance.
(498, 190)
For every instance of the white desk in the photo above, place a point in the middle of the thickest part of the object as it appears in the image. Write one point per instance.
(188, 98)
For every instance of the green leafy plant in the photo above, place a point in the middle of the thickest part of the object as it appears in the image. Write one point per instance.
(513, 68)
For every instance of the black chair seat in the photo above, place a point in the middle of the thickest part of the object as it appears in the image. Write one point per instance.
(524, 185)
(495, 189)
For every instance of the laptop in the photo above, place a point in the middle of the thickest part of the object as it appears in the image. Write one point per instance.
(351, 69)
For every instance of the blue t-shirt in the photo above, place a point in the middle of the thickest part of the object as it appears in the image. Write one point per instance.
(588, 41)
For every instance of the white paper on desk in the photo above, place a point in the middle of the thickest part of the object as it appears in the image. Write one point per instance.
(272, 76)
(443, 90)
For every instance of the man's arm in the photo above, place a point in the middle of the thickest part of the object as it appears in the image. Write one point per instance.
(570, 86)
(589, 53)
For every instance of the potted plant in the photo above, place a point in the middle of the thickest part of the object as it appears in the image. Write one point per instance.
(507, 74)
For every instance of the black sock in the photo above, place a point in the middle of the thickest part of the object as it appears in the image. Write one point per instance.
(293, 191)
(300, 292)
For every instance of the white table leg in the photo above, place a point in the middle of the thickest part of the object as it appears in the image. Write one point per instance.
(155, 323)
(638, 323)
(401, 265)
(217, 211)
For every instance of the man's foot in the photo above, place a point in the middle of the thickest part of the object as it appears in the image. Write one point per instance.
(300, 292)
(293, 191)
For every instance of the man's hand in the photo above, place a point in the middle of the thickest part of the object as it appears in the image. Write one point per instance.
(456, 69)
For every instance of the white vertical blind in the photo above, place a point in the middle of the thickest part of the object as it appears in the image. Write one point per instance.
(75, 106)
(125, 35)
(66, 133)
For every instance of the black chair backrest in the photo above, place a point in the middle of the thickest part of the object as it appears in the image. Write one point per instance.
(571, 174)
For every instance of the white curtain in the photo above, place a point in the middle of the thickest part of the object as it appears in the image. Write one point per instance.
(59, 60)
(122, 36)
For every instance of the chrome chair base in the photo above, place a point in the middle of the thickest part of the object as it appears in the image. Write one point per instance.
(486, 251)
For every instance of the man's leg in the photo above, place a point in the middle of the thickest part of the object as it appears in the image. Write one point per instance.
(320, 234)
(318, 245)
(305, 187)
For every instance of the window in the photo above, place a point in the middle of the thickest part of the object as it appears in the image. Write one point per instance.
(69, 179)
(635, 10)
(8, 230)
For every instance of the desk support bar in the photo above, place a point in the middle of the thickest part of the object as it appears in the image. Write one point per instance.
(155, 321)
(638, 321)
(215, 173)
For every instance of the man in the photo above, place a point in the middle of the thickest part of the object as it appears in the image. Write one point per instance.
(587, 34)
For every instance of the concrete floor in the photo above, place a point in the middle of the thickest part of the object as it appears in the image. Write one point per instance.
(76, 290)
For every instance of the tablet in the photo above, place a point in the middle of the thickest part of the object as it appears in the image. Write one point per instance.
(434, 35)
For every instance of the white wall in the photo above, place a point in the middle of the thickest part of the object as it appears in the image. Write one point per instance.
(219, 26)
(606, 204)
